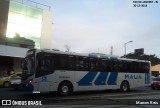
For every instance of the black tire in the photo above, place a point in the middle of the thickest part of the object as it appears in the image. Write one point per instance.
(64, 89)
(124, 86)
(6, 84)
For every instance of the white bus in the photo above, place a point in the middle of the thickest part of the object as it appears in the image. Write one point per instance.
(63, 72)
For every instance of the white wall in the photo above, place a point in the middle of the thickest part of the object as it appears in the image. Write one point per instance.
(12, 51)
(46, 33)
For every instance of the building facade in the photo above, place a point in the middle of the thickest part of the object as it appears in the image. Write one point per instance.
(155, 70)
(22, 27)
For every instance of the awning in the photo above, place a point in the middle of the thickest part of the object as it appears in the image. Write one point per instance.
(12, 51)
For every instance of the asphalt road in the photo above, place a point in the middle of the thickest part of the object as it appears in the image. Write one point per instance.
(94, 99)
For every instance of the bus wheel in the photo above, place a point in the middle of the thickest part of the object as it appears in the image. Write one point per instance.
(124, 86)
(6, 84)
(64, 89)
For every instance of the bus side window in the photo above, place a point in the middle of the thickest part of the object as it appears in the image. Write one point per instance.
(139, 67)
(108, 66)
(65, 62)
(129, 66)
(126, 66)
(44, 64)
(58, 62)
(147, 67)
(80, 63)
(70, 65)
(122, 69)
(115, 66)
(93, 64)
(102, 65)
(132, 66)
(120, 66)
(48, 63)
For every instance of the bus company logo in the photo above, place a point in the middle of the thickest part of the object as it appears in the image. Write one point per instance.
(6, 102)
(44, 78)
(133, 76)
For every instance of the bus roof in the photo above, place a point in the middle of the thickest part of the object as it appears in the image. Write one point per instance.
(60, 52)
(128, 59)
(92, 55)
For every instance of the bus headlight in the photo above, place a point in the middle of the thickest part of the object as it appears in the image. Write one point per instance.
(29, 81)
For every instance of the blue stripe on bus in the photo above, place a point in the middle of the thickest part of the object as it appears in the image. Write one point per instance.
(101, 79)
(112, 78)
(87, 79)
(147, 78)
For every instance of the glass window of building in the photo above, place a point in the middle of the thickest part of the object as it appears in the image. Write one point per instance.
(24, 20)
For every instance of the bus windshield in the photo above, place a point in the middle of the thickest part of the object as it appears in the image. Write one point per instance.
(28, 66)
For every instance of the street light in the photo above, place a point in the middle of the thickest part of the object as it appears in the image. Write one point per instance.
(125, 46)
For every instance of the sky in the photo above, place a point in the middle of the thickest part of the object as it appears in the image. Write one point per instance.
(88, 26)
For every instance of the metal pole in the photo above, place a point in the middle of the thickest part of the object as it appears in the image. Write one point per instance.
(125, 47)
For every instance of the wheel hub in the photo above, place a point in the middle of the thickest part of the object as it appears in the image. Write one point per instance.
(125, 87)
(64, 89)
